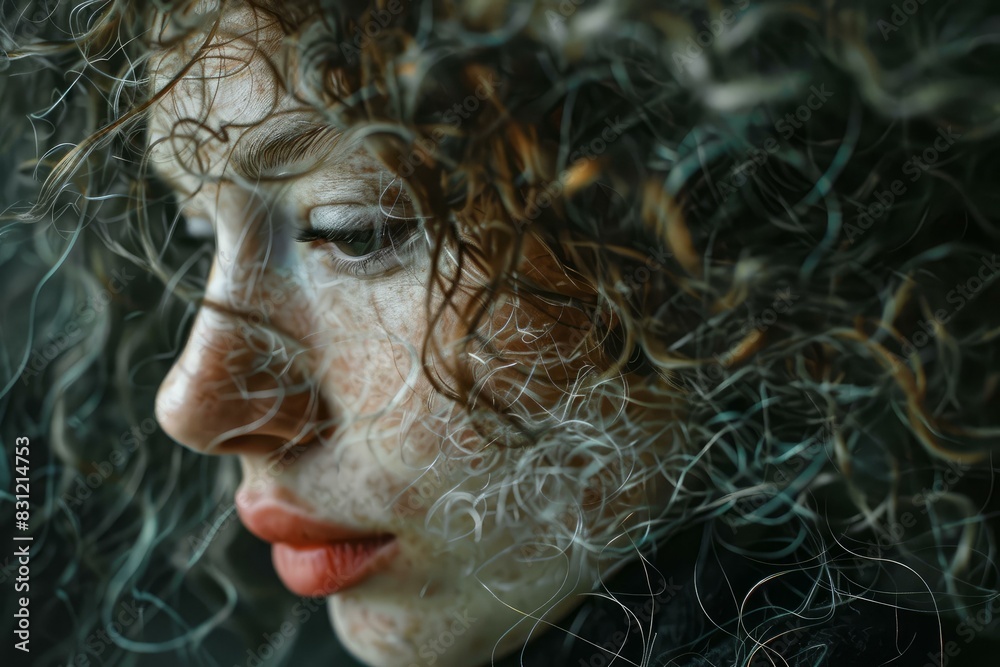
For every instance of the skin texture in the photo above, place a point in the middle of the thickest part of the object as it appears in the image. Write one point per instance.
(312, 376)
(839, 417)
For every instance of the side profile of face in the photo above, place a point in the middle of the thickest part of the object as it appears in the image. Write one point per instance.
(430, 528)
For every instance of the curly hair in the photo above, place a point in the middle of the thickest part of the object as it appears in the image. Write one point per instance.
(774, 224)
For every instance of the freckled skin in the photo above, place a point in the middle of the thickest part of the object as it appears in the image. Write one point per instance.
(333, 366)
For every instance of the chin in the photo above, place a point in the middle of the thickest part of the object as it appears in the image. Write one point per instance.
(394, 633)
(459, 624)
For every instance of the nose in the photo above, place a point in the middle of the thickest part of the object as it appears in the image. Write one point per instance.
(237, 389)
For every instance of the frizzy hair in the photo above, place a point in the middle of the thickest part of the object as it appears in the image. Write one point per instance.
(777, 221)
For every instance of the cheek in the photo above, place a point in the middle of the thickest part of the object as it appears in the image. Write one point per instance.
(439, 456)
(367, 354)
(365, 375)
(534, 357)
(369, 345)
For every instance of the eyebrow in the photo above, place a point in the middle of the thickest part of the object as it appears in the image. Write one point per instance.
(266, 149)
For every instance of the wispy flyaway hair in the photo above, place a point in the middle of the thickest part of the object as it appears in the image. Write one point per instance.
(777, 221)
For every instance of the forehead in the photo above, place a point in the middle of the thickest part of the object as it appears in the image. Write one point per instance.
(211, 89)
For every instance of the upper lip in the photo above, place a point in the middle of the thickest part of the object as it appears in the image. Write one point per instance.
(279, 517)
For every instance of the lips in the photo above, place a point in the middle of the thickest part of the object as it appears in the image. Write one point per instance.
(313, 558)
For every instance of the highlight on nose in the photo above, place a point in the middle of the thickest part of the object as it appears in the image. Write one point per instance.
(235, 390)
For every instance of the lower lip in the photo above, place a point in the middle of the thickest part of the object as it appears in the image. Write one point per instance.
(325, 569)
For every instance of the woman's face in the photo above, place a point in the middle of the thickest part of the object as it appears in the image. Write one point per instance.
(430, 532)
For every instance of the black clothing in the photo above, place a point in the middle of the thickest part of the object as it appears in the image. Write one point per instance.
(693, 581)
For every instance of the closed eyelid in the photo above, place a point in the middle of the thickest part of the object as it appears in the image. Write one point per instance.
(342, 216)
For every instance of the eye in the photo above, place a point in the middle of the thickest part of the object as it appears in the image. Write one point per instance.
(365, 240)
(362, 243)
(359, 243)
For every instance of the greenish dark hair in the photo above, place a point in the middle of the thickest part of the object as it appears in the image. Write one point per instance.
(782, 216)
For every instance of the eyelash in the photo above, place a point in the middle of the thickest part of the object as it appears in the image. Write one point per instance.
(371, 264)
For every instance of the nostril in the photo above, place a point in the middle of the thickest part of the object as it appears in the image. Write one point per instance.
(289, 454)
(248, 444)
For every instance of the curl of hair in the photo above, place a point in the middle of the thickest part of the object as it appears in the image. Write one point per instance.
(779, 218)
